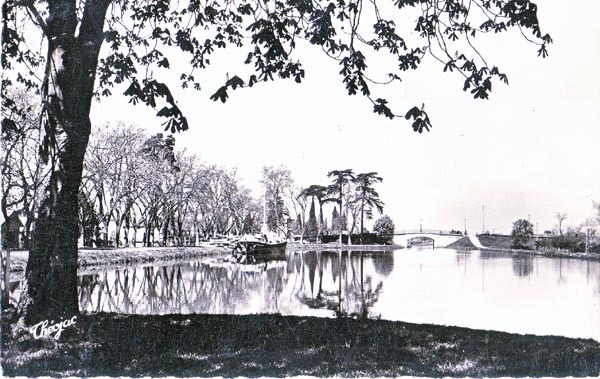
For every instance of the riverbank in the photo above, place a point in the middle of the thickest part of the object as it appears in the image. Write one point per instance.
(143, 255)
(124, 256)
(503, 244)
(296, 246)
(274, 345)
(548, 253)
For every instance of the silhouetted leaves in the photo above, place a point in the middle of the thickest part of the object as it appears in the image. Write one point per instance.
(380, 107)
(221, 94)
(139, 35)
(421, 120)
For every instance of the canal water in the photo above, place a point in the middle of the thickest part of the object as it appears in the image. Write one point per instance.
(482, 290)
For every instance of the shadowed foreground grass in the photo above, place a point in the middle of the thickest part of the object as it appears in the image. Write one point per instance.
(273, 345)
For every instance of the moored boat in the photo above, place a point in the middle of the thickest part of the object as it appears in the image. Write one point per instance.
(258, 248)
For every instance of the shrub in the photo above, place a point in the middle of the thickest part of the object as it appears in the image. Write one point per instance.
(384, 227)
(522, 234)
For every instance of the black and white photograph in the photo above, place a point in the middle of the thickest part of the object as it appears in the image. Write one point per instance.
(300, 188)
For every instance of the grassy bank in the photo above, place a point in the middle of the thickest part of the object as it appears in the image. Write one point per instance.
(273, 345)
(144, 255)
(462, 244)
(127, 256)
(504, 245)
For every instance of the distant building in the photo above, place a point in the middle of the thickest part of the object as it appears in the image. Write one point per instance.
(12, 231)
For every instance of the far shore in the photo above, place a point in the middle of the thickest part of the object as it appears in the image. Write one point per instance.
(91, 257)
(548, 253)
(542, 253)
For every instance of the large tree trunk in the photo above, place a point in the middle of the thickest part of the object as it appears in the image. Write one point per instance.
(52, 265)
(71, 67)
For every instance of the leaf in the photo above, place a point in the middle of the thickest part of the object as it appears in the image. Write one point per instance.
(449, 66)
(235, 82)
(132, 90)
(163, 63)
(163, 91)
(467, 84)
(165, 112)
(252, 80)
(221, 94)
(414, 112)
(380, 107)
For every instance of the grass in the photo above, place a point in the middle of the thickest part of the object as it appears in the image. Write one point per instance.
(274, 345)
(462, 244)
(504, 244)
(496, 242)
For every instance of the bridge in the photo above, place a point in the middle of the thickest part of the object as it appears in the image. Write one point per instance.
(440, 238)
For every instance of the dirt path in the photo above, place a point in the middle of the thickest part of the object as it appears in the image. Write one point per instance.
(475, 241)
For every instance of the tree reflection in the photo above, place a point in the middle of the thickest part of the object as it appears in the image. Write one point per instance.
(191, 288)
(346, 283)
(384, 263)
(522, 266)
(352, 292)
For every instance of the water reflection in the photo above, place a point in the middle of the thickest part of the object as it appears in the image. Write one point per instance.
(483, 290)
(194, 287)
(522, 265)
(216, 286)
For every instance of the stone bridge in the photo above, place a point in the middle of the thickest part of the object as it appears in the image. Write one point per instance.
(441, 238)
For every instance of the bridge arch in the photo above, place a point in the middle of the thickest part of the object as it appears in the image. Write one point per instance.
(440, 238)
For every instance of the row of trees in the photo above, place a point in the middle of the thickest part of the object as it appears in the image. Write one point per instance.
(23, 175)
(140, 190)
(580, 238)
(136, 190)
(143, 183)
(351, 198)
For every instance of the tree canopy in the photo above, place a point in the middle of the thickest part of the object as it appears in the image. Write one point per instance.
(522, 233)
(130, 43)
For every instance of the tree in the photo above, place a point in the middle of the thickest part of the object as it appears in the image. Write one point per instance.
(335, 221)
(276, 180)
(112, 178)
(384, 227)
(560, 217)
(298, 204)
(367, 197)
(340, 180)
(23, 177)
(311, 225)
(320, 193)
(572, 239)
(160, 181)
(522, 233)
(139, 38)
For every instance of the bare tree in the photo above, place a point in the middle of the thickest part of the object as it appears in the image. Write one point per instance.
(23, 175)
(560, 217)
(276, 182)
(298, 203)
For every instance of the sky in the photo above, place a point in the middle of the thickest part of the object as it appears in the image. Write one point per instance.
(529, 151)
